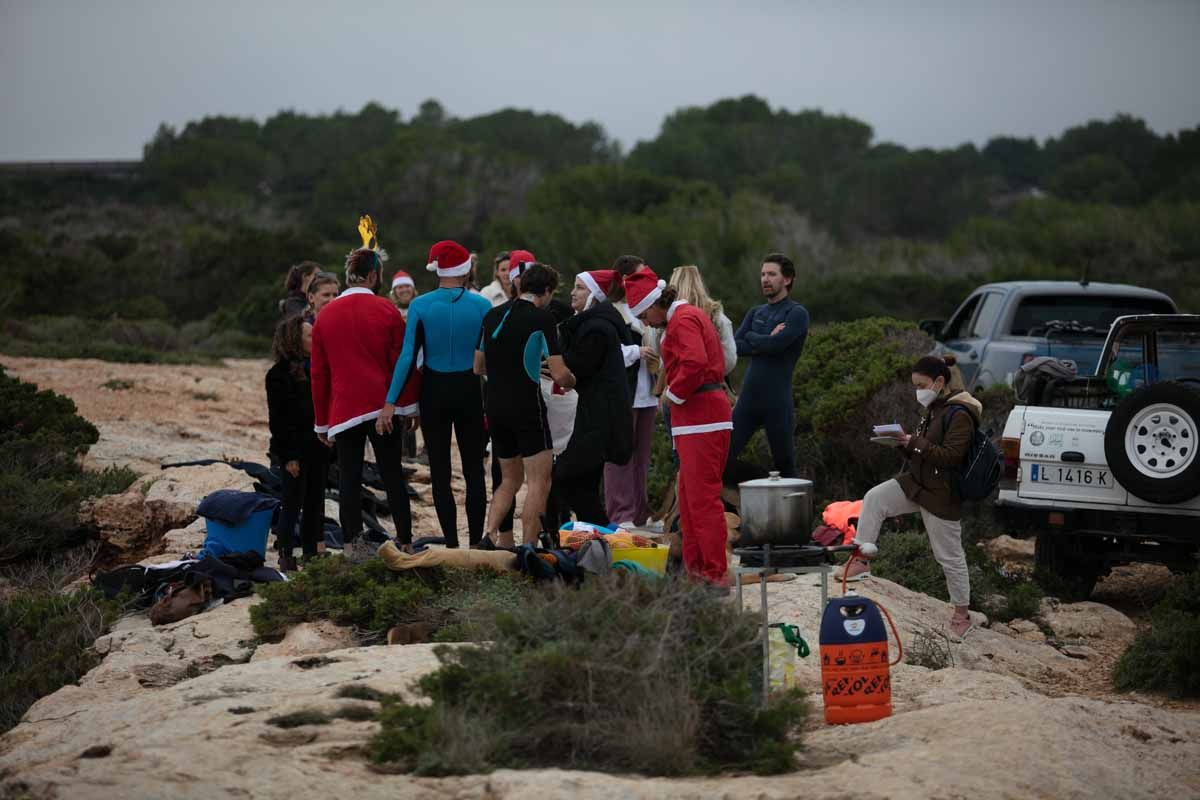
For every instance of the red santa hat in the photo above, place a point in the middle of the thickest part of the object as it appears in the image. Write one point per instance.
(599, 282)
(517, 260)
(642, 289)
(449, 260)
(402, 278)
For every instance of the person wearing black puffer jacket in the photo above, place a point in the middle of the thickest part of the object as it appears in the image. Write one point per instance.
(304, 459)
(592, 342)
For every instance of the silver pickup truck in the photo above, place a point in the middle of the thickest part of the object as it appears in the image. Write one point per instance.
(1001, 325)
(1106, 470)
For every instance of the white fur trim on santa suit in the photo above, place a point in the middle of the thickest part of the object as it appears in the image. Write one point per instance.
(649, 299)
(684, 430)
(332, 432)
(592, 286)
(403, 280)
(450, 272)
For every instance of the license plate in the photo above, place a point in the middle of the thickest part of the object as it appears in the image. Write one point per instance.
(1075, 476)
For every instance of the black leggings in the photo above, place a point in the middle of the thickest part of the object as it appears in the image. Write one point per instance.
(454, 400)
(389, 451)
(579, 493)
(306, 494)
(780, 428)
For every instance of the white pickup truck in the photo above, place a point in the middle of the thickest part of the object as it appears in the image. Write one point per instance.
(1106, 471)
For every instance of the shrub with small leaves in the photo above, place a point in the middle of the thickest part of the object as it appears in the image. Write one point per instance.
(1166, 656)
(655, 677)
(369, 596)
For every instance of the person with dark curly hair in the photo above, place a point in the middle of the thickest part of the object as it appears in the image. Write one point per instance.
(296, 284)
(294, 443)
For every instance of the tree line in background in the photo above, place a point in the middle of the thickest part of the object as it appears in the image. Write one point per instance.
(201, 236)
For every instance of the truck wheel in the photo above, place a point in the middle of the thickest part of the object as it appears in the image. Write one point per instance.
(1151, 443)
(1060, 569)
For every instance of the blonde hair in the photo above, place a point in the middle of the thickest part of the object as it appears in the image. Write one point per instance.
(690, 286)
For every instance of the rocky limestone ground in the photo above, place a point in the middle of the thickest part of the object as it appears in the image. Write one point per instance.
(185, 710)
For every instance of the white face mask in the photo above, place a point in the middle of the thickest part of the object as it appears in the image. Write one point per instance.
(926, 396)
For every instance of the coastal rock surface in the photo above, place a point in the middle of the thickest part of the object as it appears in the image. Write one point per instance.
(191, 709)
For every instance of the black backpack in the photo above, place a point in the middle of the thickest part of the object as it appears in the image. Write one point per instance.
(979, 474)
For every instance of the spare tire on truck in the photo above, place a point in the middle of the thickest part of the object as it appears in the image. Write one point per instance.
(1151, 443)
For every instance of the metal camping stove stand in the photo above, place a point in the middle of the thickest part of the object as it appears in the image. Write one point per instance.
(767, 569)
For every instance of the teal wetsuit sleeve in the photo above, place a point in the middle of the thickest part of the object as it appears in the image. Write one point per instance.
(405, 362)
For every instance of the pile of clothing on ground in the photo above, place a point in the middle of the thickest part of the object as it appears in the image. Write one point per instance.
(267, 481)
(225, 568)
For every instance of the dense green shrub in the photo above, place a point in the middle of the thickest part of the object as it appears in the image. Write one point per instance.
(41, 482)
(853, 375)
(140, 341)
(655, 677)
(1166, 656)
(465, 602)
(45, 641)
(369, 596)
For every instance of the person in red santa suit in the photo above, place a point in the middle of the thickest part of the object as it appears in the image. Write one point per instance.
(701, 418)
(356, 340)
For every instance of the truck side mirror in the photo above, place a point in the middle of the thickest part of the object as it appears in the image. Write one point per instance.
(933, 328)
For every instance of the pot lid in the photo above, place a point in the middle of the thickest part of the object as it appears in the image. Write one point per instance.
(774, 481)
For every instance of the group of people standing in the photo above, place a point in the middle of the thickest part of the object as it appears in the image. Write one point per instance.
(565, 395)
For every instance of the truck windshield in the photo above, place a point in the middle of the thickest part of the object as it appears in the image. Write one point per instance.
(1089, 312)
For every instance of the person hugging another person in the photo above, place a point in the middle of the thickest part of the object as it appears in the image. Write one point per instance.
(294, 443)
(592, 342)
(925, 484)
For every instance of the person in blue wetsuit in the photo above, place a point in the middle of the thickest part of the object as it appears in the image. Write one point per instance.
(445, 325)
(772, 335)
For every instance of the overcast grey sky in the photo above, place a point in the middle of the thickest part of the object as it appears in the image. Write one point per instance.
(94, 78)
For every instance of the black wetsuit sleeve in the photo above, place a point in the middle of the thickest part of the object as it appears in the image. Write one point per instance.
(795, 329)
(744, 348)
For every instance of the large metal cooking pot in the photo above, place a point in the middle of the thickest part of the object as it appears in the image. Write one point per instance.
(776, 510)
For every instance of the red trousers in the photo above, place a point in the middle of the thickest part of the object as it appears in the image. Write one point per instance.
(701, 512)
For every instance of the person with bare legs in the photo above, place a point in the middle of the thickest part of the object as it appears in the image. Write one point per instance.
(516, 337)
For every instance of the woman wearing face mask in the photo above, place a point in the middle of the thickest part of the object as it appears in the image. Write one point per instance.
(932, 455)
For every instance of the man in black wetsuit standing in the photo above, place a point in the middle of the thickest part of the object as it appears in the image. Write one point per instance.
(772, 335)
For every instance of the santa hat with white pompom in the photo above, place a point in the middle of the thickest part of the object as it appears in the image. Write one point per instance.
(449, 260)
(642, 289)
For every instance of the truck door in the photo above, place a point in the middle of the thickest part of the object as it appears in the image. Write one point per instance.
(970, 331)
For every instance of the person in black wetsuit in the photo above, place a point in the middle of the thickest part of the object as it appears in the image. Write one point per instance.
(772, 335)
(515, 338)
